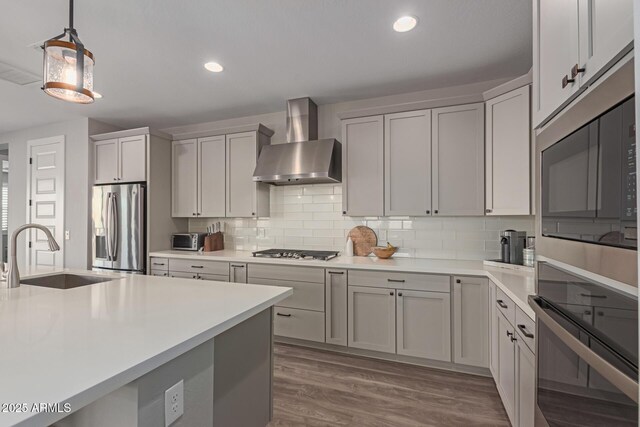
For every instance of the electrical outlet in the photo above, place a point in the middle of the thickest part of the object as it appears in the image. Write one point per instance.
(173, 403)
(66, 235)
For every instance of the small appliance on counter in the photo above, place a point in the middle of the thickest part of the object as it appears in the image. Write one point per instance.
(187, 241)
(214, 240)
(512, 243)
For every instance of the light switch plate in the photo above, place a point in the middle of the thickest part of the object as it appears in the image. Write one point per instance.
(173, 403)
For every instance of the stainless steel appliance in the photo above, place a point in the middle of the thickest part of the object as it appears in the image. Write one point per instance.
(119, 224)
(512, 243)
(304, 159)
(589, 182)
(587, 351)
(187, 241)
(296, 254)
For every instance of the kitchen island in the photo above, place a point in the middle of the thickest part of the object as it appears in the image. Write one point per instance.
(105, 353)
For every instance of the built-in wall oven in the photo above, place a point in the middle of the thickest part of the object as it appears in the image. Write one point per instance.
(587, 351)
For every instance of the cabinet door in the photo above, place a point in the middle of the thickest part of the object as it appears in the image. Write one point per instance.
(336, 307)
(506, 366)
(458, 160)
(132, 158)
(471, 321)
(407, 163)
(606, 33)
(238, 272)
(363, 166)
(372, 319)
(211, 177)
(424, 324)
(241, 191)
(184, 183)
(526, 389)
(494, 348)
(555, 52)
(508, 149)
(105, 161)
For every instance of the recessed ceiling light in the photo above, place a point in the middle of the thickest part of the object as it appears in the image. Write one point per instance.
(96, 95)
(214, 67)
(405, 23)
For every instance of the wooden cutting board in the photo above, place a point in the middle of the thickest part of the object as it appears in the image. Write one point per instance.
(364, 239)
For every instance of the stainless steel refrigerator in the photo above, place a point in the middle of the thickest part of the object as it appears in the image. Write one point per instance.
(118, 224)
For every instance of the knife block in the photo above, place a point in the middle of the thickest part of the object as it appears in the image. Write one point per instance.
(214, 242)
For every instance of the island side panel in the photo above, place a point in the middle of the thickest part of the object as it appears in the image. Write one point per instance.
(243, 373)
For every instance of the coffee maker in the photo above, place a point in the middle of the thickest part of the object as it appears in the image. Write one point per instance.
(511, 245)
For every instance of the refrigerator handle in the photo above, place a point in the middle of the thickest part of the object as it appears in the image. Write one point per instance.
(108, 227)
(114, 231)
(142, 232)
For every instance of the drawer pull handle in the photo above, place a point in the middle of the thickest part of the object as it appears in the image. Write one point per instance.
(513, 339)
(395, 280)
(593, 296)
(197, 266)
(502, 304)
(237, 266)
(566, 80)
(283, 315)
(335, 272)
(158, 263)
(524, 331)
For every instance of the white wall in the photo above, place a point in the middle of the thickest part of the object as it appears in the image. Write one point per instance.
(77, 186)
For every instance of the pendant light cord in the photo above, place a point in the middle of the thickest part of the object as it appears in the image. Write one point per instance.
(71, 15)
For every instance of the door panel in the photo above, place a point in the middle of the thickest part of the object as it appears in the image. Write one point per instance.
(471, 321)
(241, 192)
(184, 184)
(106, 161)
(372, 319)
(46, 188)
(458, 160)
(526, 375)
(407, 159)
(506, 354)
(211, 177)
(424, 324)
(132, 157)
(336, 307)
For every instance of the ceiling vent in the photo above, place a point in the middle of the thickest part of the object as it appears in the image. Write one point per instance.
(17, 76)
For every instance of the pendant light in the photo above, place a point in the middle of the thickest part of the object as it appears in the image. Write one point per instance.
(68, 67)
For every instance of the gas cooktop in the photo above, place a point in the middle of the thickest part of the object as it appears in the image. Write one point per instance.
(296, 254)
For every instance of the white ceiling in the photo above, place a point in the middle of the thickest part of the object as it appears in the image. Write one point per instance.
(150, 54)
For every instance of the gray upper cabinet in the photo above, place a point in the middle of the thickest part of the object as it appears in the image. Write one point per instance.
(363, 166)
(120, 160)
(471, 321)
(458, 160)
(407, 163)
(508, 154)
(184, 178)
(574, 43)
(245, 198)
(211, 176)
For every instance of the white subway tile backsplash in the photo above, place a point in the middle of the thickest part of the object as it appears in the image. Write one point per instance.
(310, 217)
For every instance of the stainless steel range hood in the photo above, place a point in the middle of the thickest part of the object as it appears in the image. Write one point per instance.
(304, 159)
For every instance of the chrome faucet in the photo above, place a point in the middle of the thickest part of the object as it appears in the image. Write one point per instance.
(13, 278)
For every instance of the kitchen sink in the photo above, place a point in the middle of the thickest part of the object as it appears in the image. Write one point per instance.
(65, 280)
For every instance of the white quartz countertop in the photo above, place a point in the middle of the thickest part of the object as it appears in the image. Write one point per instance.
(77, 345)
(518, 285)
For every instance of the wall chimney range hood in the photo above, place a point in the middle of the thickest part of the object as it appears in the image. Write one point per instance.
(304, 159)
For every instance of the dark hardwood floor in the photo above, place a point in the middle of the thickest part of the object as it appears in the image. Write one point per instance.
(321, 388)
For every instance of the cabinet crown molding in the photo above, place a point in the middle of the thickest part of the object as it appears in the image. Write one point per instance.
(130, 132)
(257, 127)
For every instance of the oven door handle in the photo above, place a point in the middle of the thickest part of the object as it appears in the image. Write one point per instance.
(604, 368)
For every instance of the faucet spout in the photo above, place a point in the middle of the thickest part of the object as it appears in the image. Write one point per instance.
(13, 277)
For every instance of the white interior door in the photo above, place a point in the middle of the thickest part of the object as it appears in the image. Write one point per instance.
(45, 205)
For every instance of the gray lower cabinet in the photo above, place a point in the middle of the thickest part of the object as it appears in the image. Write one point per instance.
(336, 307)
(372, 318)
(526, 381)
(302, 315)
(506, 368)
(471, 321)
(159, 273)
(238, 272)
(493, 332)
(423, 324)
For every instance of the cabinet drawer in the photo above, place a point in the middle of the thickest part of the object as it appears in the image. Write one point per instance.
(506, 306)
(198, 266)
(285, 272)
(183, 275)
(216, 277)
(300, 324)
(159, 273)
(526, 328)
(159, 264)
(306, 296)
(410, 281)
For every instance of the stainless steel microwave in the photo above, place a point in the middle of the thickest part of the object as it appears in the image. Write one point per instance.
(187, 241)
(589, 182)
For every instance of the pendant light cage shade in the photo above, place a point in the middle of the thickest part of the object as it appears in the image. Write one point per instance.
(64, 77)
